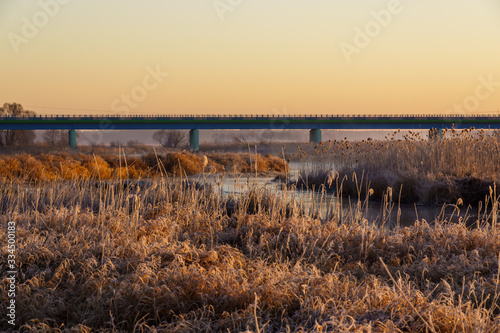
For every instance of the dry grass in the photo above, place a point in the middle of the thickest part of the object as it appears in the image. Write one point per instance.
(80, 166)
(462, 165)
(178, 257)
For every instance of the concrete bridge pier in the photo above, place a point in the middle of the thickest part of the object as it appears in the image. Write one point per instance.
(315, 136)
(194, 140)
(72, 139)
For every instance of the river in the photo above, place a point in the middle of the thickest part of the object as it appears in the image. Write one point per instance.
(322, 203)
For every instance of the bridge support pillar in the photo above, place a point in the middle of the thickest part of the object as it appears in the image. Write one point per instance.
(315, 136)
(72, 139)
(194, 140)
(436, 133)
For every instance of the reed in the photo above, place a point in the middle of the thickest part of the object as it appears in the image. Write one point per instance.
(172, 255)
(462, 165)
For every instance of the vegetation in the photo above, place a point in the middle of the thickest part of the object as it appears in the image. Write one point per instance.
(170, 138)
(66, 166)
(15, 137)
(462, 165)
(55, 138)
(180, 257)
(99, 249)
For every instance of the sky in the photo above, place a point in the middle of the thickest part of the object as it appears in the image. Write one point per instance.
(251, 57)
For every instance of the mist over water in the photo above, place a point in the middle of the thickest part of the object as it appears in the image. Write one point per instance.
(222, 136)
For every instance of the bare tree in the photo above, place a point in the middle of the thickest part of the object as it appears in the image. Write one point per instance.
(169, 139)
(56, 138)
(241, 138)
(133, 143)
(15, 137)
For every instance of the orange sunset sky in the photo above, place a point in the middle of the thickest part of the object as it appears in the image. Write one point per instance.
(250, 57)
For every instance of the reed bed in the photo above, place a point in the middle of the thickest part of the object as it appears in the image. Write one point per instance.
(65, 166)
(462, 165)
(174, 256)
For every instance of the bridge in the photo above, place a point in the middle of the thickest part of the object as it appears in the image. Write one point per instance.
(313, 123)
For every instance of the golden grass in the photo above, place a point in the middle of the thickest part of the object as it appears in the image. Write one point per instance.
(173, 257)
(66, 166)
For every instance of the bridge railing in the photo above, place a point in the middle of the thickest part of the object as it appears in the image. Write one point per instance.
(250, 117)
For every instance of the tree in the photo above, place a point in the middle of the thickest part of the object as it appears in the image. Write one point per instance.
(169, 139)
(241, 138)
(133, 143)
(16, 137)
(55, 138)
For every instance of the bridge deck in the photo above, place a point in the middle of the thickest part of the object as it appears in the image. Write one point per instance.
(151, 122)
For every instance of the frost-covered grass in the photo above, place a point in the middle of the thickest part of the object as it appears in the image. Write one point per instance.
(462, 165)
(179, 257)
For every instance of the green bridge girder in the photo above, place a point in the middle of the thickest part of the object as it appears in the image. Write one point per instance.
(195, 123)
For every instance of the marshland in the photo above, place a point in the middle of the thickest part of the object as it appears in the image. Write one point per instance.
(462, 165)
(117, 243)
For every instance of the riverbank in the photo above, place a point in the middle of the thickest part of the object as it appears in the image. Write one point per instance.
(403, 188)
(68, 166)
(171, 257)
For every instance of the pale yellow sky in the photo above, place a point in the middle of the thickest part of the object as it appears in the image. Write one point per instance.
(254, 57)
